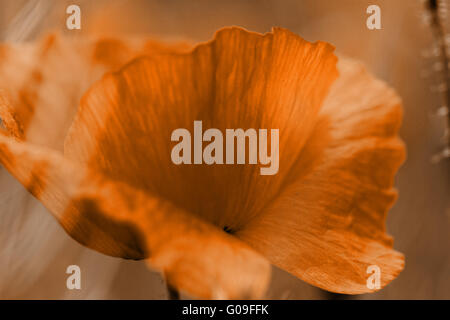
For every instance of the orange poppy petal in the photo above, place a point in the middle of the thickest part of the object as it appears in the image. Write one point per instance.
(119, 220)
(238, 80)
(330, 219)
(41, 84)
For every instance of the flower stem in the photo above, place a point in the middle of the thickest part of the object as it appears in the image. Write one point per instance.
(439, 31)
(172, 293)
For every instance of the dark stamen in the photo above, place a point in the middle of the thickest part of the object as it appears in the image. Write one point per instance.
(227, 229)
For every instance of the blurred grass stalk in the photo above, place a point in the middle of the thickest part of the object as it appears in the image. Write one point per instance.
(27, 20)
(437, 18)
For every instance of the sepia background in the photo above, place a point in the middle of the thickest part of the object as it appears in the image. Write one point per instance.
(35, 251)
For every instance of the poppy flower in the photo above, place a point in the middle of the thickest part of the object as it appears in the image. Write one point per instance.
(102, 167)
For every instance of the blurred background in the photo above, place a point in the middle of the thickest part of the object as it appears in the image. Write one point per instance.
(35, 251)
